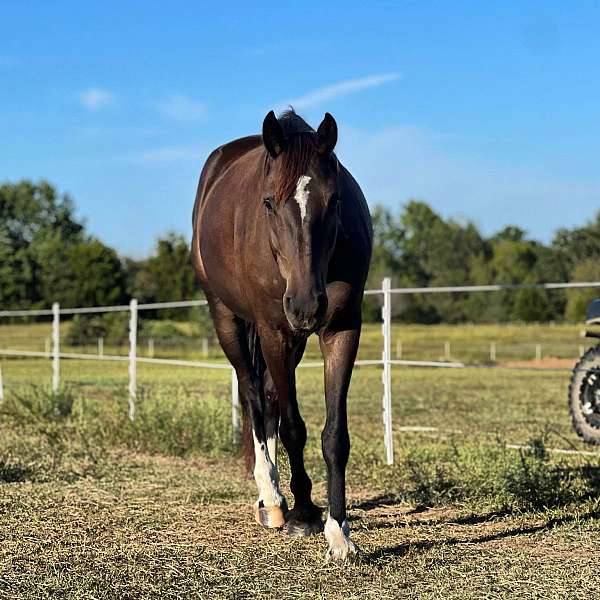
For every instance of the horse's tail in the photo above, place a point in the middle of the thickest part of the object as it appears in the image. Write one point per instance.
(259, 368)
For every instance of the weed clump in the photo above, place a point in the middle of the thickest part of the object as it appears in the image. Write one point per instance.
(64, 434)
(493, 475)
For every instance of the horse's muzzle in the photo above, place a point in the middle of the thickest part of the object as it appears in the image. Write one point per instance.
(305, 312)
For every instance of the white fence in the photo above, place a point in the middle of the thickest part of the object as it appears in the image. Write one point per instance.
(386, 361)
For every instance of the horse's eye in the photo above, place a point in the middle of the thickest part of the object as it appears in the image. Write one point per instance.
(269, 204)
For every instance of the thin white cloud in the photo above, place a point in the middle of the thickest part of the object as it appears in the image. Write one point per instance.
(96, 98)
(180, 107)
(343, 88)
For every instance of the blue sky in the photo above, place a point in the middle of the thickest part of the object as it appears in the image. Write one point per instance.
(488, 111)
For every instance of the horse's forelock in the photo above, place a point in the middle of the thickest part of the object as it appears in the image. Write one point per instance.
(293, 163)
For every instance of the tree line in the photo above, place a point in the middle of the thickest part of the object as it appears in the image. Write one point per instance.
(47, 255)
(419, 248)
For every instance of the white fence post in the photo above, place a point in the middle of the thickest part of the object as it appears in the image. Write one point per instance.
(447, 351)
(100, 346)
(492, 351)
(133, 309)
(538, 352)
(55, 347)
(235, 405)
(204, 347)
(151, 348)
(386, 314)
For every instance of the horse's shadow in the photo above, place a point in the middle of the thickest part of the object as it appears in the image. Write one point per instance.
(377, 502)
(471, 519)
(590, 474)
(402, 549)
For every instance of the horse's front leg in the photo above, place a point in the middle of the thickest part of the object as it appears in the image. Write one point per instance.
(339, 351)
(281, 355)
(270, 508)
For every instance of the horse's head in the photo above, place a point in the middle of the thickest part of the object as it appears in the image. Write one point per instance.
(301, 204)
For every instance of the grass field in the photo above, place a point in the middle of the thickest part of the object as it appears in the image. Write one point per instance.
(466, 343)
(93, 506)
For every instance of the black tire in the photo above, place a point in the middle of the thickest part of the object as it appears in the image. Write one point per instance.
(584, 396)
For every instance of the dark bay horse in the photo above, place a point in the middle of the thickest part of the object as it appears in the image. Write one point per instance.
(281, 245)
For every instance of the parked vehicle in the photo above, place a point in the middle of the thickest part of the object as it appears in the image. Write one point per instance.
(584, 389)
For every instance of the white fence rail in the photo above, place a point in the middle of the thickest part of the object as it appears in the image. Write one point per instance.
(133, 359)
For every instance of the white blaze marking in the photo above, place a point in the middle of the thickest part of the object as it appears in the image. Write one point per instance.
(301, 195)
(340, 544)
(265, 474)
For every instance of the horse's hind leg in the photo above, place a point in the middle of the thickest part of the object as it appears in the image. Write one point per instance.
(270, 508)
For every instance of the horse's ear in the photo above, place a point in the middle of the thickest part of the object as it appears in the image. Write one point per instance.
(272, 133)
(327, 134)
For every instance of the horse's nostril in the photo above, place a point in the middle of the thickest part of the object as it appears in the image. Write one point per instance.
(321, 300)
(305, 310)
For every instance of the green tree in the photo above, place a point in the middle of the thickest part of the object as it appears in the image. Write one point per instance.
(532, 304)
(419, 248)
(34, 219)
(510, 233)
(437, 252)
(91, 275)
(167, 275)
(385, 260)
(578, 299)
(578, 244)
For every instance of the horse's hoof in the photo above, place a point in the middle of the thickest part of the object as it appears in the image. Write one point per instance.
(346, 553)
(341, 547)
(272, 517)
(303, 522)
